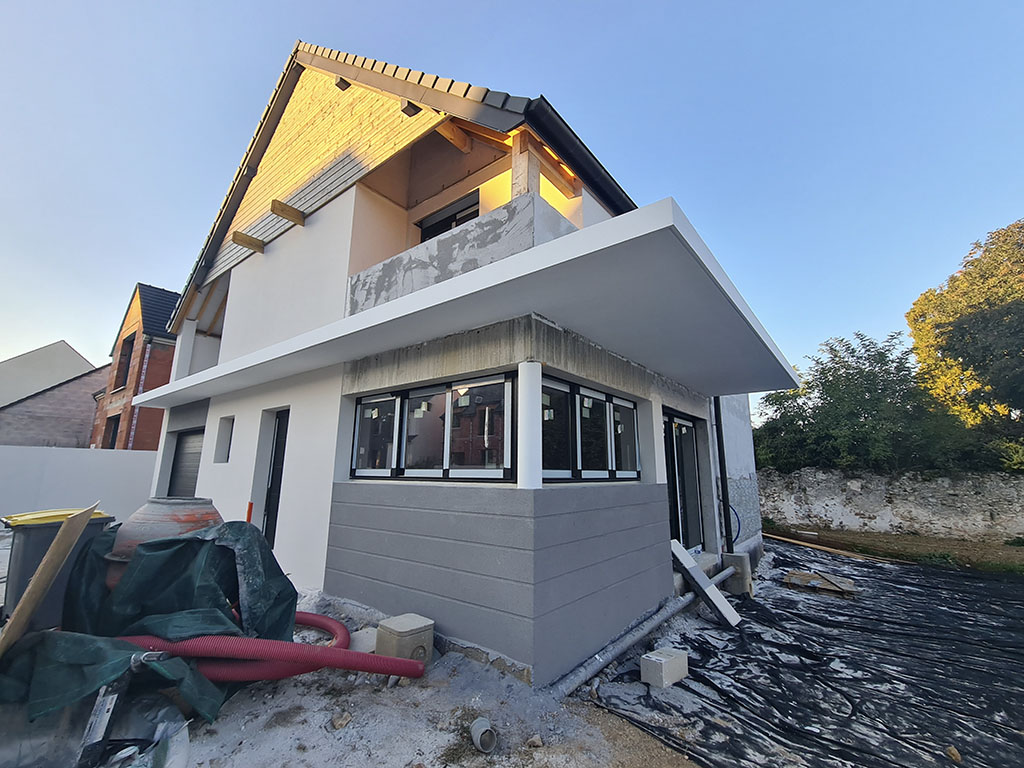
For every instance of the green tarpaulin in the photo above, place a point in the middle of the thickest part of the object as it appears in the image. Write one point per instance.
(218, 581)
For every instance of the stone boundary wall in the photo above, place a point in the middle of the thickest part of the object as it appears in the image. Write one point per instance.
(969, 505)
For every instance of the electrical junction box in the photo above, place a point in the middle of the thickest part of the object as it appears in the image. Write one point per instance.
(408, 636)
(664, 667)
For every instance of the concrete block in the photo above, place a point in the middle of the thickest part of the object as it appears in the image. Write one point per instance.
(363, 641)
(742, 582)
(678, 584)
(664, 667)
(408, 636)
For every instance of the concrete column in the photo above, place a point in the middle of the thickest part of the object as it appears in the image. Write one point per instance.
(183, 350)
(652, 441)
(529, 460)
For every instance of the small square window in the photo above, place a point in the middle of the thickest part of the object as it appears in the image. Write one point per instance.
(222, 449)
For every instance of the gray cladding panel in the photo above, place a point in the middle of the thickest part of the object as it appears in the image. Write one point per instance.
(511, 596)
(486, 626)
(544, 576)
(457, 526)
(564, 638)
(458, 554)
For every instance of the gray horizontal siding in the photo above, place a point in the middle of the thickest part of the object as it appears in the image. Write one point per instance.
(484, 625)
(461, 554)
(544, 576)
(566, 637)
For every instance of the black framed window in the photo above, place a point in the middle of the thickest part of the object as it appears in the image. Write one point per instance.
(424, 432)
(461, 430)
(556, 429)
(376, 436)
(451, 216)
(587, 434)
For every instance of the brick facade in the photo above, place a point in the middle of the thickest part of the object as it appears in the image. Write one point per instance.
(61, 416)
(148, 367)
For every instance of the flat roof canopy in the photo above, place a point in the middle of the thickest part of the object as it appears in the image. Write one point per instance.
(642, 285)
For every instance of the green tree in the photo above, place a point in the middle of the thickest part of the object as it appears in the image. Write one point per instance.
(860, 406)
(989, 342)
(967, 332)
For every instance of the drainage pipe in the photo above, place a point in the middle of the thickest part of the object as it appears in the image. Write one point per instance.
(724, 574)
(616, 648)
(226, 658)
(723, 475)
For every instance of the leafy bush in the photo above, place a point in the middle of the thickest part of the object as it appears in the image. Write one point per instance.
(861, 408)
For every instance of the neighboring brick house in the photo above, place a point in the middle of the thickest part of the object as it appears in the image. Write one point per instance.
(58, 416)
(142, 357)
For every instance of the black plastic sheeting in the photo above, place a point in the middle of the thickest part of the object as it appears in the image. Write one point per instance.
(921, 659)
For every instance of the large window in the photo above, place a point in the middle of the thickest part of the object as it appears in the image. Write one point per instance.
(451, 216)
(461, 430)
(586, 434)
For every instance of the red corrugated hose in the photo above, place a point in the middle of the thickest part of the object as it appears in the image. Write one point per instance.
(225, 658)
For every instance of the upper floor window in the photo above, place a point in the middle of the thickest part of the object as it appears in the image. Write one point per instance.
(451, 216)
(459, 430)
(587, 434)
(124, 361)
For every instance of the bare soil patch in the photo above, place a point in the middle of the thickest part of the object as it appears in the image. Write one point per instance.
(983, 553)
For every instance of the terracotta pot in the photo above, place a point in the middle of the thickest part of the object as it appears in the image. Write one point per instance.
(159, 518)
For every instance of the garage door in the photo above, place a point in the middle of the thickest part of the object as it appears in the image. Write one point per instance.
(185, 467)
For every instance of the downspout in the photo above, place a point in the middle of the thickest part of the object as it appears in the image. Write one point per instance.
(723, 476)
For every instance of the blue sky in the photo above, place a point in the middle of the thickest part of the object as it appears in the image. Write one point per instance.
(838, 158)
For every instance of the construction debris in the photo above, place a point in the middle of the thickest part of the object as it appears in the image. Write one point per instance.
(823, 582)
(701, 584)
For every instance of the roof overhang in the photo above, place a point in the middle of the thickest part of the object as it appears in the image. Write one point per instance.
(642, 285)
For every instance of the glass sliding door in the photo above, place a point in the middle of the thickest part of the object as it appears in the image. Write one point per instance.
(683, 482)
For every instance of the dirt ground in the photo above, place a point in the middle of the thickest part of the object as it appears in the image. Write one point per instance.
(987, 554)
(336, 718)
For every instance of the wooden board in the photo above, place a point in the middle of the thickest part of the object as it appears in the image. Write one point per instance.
(702, 585)
(823, 582)
(834, 551)
(60, 549)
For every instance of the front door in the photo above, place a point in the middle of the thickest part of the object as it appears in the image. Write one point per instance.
(683, 482)
(275, 476)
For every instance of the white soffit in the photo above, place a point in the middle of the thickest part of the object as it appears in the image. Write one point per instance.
(643, 285)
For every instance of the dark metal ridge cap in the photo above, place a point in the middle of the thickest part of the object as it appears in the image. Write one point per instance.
(553, 130)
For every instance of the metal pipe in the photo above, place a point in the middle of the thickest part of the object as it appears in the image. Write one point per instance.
(724, 574)
(723, 475)
(570, 682)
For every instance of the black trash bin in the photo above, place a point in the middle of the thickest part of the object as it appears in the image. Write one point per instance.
(33, 534)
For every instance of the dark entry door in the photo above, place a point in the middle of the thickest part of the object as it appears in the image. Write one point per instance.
(188, 447)
(683, 482)
(274, 478)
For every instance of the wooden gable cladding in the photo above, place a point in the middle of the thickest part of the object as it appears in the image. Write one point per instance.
(326, 140)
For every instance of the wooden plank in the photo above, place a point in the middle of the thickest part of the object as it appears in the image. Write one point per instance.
(834, 551)
(456, 136)
(702, 585)
(247, 241)
(287, 212)
(210, 290)
(820, 581)
(557, 172)
(488, 136)
(60, 549)
(525, 166)
(218, 313)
